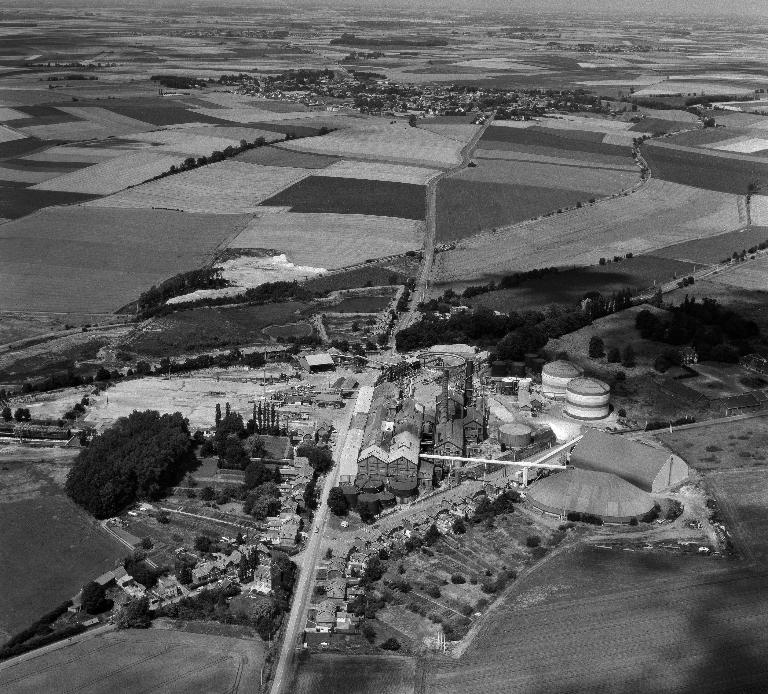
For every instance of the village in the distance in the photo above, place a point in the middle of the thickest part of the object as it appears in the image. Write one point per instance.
(406, 352)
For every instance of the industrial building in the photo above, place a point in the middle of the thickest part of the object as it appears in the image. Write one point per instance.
(600, 494)
(587, 398)
(316, 363)
(556, 375)
(651, 469)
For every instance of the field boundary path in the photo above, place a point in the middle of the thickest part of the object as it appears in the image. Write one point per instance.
(421, 287)
(306, 568)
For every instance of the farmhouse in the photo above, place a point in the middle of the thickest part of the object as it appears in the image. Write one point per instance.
(648, 468)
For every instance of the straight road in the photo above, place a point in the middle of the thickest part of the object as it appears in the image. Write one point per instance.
(309, 558)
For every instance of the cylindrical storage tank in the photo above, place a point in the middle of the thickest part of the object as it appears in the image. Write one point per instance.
(556, 375)
(351, 494)
(515, 435)
(403, 490)
(517, 368)
(587, 398)
(370, 502)
(386, 499)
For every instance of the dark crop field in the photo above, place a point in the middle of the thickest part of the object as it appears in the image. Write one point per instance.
(466, 208)
(603, 621)
(155, 111)
(721, 172)
(353, 196)
(16, 200)
(496, 147)
(41, 115)
(355, 674)
(18, 148)
(569, 286)
(275, 156)
(559, 139)
(715, 248)
(359, 304)
(372, 275)
(212, 328)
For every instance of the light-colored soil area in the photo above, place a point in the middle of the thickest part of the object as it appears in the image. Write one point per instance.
(331, 240)
(658, 214)
(134, 662)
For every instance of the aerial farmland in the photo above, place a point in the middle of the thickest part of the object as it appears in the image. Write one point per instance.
(404, 349)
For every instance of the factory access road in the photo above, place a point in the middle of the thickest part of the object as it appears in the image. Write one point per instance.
(309, 557)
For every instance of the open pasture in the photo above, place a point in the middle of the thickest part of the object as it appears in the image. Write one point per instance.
(226, 187)
(113, 175)
(353, 196)
(356, 674)
(752, 274)
(715, 249)
(276, 156)
(98, 259)
(382, 141)
(137, 661)
(712, 170)
(330, 240)
(47, 530)
(569, 286)
(618, 621)
(653, 216)
(207, 328)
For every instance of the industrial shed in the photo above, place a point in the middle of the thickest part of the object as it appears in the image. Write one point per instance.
(650, 469)
(599, 494)
(315, 363)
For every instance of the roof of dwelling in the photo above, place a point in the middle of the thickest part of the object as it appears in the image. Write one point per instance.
(599, 493)
(349, 453)
(635, 462)
(452, 431)
(473, 414)
(320, 359)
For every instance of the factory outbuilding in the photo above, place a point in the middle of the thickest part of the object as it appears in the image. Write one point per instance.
(515, 435)
(316, 363)
(601, 494)
(587, 398)
(556, 375)
(651, 469)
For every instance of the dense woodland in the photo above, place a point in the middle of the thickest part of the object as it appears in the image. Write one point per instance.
(138, 457)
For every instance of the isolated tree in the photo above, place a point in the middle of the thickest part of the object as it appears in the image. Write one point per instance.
(628, 357)
(752, 189)
(207, 494)
(391, 644)
(93, 597)
(614, 355)
(134, 614)
(432, 535)
(7, 415)
(183, 572)
(203, 543)
(596, 347)
(337, 502)
(22, 414)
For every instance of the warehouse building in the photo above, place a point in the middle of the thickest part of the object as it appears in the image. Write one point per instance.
(316, 363)
(651, 469)
(600, 494)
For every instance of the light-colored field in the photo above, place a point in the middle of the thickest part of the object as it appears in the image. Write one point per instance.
(460, 132)
(752, 274)
(68, 153)
(248, 114)
(10, 114)
(384, 141)
(138, 661)
(657, 215)
(232, 133)
(114, 122)
(186, 142)
(111, 176)
(227, 187)
(515, 123)
(331, 240)
(672, 88)
(9, 135)
(622, 139)
(597, 125)
(380, 171)
(743, 145)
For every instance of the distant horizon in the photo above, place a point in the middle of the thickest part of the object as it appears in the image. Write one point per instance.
(620, 8)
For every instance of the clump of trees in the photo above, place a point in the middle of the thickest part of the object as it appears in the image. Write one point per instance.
(337, 502)
(138, 457)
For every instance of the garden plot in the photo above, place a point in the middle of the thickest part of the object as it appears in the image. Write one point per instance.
(752, 274)
(657, 214)
(384, 141)
(226, 187)
(380, 171)
(111, 176)
(9, 135)
(331, 240)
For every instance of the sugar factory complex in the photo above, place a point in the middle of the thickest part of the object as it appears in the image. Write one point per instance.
(450, 416)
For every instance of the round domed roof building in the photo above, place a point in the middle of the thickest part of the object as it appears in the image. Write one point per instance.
(601, 494)
(587, 398)
(556, 375)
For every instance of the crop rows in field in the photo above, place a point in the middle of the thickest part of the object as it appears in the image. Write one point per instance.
(659, 212)
(276, 156)
(331, 240)
(588, 142)
(227, 187)
(461, 132)
(607, 621)
(549, 155)
(200, 141)
(353, 674)
(113, 175)
(398, 143)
